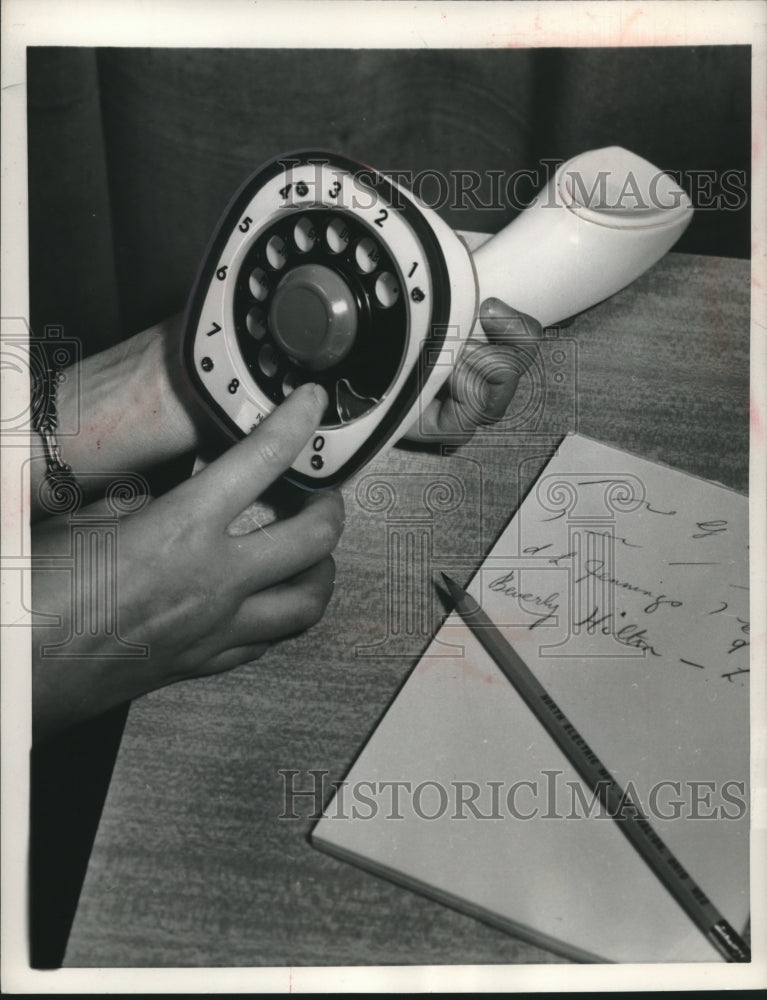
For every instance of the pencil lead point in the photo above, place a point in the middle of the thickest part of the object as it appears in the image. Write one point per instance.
(451, 586)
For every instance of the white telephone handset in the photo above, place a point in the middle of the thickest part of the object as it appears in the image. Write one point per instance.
(324, 270)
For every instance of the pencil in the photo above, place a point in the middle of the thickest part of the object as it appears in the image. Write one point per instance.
(630, 819)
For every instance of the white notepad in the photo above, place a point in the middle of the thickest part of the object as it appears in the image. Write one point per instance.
(624, 586)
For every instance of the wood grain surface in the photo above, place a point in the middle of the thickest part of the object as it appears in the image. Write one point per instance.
(192, 864)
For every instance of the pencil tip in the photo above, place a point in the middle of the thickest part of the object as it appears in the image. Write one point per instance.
(452, 587)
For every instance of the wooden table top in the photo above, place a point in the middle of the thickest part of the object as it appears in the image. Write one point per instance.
(192, 864)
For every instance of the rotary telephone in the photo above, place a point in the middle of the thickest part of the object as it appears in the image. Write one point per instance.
(324, 270)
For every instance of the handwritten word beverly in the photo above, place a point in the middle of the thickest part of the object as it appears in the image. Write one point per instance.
(508, 585)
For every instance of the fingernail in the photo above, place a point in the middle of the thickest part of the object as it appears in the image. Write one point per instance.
(497, 317)
(316, 390)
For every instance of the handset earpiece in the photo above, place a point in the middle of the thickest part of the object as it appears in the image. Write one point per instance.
(603, 219)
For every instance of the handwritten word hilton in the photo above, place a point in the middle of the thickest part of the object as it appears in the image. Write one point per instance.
(629, 635)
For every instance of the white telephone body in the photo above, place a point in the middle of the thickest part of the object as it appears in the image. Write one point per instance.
(324, 270)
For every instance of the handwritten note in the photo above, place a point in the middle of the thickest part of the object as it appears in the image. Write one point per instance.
(624, 586)
(612, 556)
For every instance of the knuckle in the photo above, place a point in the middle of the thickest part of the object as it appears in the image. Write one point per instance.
(493, 358)
(330, 525)
(485, 354)
(268, 451)
(314, 601)
(326, 535)
(324, 584)
(338, 515)
(326, 571)
(508, 364)
(315, 609)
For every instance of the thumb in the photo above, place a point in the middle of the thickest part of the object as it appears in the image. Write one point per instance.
(505, 325)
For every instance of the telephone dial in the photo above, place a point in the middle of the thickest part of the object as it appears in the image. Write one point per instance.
(324, 270)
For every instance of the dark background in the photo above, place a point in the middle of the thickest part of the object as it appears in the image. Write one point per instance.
(134, 154)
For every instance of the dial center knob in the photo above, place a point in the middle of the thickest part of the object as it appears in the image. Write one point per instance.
(313, 316)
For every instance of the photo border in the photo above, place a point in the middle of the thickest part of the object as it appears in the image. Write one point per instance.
(375, 24)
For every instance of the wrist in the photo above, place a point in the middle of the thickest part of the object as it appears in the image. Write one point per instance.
(131, 405)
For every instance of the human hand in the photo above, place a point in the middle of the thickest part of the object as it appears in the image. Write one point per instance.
(132, 408)
(484, 380)
(199, 598)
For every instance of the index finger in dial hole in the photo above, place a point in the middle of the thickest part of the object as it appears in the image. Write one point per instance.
(225, 487)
